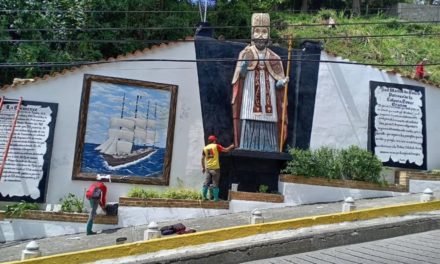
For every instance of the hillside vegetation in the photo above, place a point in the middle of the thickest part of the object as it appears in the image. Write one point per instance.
(369, 49)
(41, 37)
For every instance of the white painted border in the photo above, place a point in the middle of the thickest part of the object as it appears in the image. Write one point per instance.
(297, 194)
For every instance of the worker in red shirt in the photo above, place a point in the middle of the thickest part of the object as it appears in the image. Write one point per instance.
(420, 70)
(211, 165)
(96, 194)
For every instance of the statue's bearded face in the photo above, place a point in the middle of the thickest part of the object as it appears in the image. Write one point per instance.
(260, 36)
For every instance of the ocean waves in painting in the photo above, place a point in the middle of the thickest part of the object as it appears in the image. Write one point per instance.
(150, 166)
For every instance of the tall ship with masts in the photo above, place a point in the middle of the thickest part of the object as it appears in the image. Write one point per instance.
(130, 139)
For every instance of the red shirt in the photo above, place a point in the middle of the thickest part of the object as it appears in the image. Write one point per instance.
(420, 71)
(103, 188)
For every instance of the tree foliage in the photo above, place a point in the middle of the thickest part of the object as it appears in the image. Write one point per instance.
(84, 30)
(39, 31)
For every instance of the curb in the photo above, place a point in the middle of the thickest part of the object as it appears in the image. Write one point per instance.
(223, 234)
(304, 240)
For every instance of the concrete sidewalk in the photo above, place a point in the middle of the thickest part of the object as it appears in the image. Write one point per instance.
(71, 243)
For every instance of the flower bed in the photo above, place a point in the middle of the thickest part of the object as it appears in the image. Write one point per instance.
(258, 197)
(2, 215)
(179, 203)
(341, 183)
(64, 217)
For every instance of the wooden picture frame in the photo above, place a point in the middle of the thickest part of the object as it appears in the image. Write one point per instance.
(125, 129)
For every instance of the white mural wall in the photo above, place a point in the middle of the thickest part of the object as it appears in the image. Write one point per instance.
(66, 90)
(342, 104)
(340, 116)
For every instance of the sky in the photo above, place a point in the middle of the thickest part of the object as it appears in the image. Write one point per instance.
(106, 102)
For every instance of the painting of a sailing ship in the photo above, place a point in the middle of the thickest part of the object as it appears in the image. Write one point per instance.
(127, 129)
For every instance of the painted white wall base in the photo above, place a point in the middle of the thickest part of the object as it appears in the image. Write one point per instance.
(236, 206)
(135, 216)
(21, 229)
(294, 194)
(307, 194)
(418, 186)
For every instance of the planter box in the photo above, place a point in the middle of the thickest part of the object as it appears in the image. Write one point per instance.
(341, 183)
(65, 217)
(422, 176)
(179, 203)
(418, 181)
(258, 197)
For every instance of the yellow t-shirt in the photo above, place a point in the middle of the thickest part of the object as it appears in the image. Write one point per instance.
(212, 156)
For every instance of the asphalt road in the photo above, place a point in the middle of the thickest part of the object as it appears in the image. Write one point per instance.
(409, 249)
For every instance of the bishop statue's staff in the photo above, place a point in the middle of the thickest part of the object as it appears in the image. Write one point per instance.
(286, 86)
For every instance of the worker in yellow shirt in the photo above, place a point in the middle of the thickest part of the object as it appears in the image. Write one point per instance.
(211, 165)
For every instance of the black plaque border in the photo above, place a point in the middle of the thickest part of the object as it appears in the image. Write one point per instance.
(42, 186)
(372, 129)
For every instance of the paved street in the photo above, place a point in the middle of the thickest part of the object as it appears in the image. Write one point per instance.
(287, 241)
(416, 248)
(53, 245)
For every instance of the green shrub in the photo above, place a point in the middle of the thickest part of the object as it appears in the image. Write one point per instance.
(71, 203)
(19, 208)
(435, 171)
(138, 192)
(393, 24)
(185, 194)
(263, 188)
(301, 163)
(326, 14)
(360, 165)
(182, 194)
(353, 163)
(326, 163)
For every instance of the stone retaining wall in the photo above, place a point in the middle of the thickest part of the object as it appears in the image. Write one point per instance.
(259, 197)
(340, 183)
(66, 217)
(176, 203)
(413, 12)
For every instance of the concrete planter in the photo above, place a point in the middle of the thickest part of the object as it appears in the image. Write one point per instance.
(417, 182)
(341, 183)
(258, 197)
(64, 217)
(172, 203)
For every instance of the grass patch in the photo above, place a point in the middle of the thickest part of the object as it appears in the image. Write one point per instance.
(183, 194)
(369, 49)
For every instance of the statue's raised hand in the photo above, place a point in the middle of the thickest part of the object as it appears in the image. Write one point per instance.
(281, 83)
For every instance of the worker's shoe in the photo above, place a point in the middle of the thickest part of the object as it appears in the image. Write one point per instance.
(89, 228)
(204, 193)
(216, 191)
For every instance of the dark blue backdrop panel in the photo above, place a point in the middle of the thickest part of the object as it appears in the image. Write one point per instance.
(215, 88)
(306, 86)
(215, 95)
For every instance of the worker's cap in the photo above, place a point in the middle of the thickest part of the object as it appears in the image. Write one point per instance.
(100, 177)
(212, 138)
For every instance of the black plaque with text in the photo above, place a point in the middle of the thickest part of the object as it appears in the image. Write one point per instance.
(26, 169)
(397, 124)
